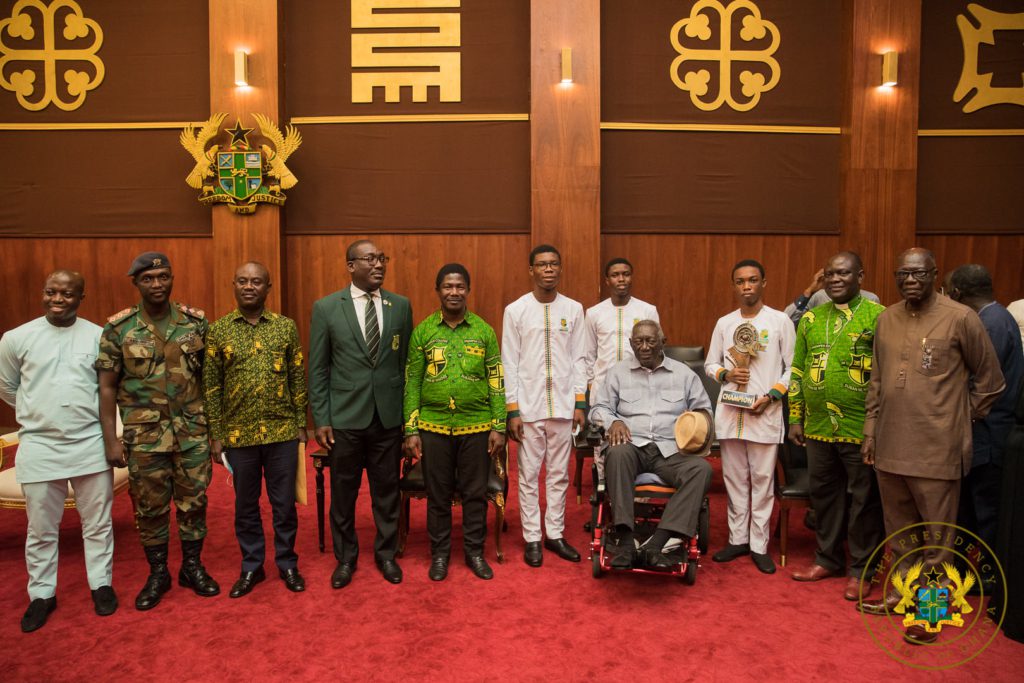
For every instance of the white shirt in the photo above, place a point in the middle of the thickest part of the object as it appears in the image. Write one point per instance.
(608, 329)
(47, 376)
(542, 351)
(359, 303)
(769, 370)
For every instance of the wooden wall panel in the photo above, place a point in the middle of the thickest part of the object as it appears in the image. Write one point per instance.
(879, 133)
(497, 266)
(565, 139)
(688, 276)
(251, 25)
(25, 263)
(1001, 254)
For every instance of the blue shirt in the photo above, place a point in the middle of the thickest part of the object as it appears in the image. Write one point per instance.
(989, 435)
(649, 401)
(47, 376)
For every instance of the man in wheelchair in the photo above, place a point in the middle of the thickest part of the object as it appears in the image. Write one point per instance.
(638, 406)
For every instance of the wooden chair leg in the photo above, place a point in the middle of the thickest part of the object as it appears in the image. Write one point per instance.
(319, 466)
(499, 525)
(783, 534)
(579, 477)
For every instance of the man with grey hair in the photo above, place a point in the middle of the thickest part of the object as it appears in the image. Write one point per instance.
(920, 405)
(47, 376)
(638, 404)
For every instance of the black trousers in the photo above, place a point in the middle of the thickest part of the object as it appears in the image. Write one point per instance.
(979, 503)
(276, 463)
(689, 474)
(378, 450)
(450, 464)
(834, 469)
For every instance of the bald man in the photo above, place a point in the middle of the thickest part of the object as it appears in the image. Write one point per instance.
(920, 405)
(47, 376)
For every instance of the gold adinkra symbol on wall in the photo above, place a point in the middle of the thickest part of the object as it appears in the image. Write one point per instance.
(973, 38)
(50, 41)
(752, 28)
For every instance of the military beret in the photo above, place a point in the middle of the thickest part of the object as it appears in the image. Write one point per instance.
(147, 261)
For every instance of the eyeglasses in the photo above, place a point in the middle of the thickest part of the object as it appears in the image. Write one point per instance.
(917, 275)
(544, 265)
(373, 258)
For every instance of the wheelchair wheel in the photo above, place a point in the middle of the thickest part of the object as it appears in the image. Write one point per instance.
(690, 577)
(703, 528)
(595, 564)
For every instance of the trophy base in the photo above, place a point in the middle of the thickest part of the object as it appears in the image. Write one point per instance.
(738, 399)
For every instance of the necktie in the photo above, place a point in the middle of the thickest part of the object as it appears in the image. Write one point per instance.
(372, 329)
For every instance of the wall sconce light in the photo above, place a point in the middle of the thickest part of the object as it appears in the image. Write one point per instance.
(889, 63)
(241, 68)
(566, 65)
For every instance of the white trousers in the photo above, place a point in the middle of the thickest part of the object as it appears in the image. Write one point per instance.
(44, 504)
(547, 442)
(749, 469)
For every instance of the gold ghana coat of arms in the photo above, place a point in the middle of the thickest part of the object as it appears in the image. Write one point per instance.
(235, 172)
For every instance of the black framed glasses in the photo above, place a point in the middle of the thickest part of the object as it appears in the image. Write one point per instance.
(373, 258)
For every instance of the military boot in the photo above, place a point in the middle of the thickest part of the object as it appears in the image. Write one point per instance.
(159, 581)
(193, 574)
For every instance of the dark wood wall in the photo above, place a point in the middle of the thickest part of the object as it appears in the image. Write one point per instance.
(685, 275)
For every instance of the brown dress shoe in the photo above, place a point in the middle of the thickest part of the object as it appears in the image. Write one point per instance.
(814, 572)
(857, 589)
(882, 606)
(918, 635)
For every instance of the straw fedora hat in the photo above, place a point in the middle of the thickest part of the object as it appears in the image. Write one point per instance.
(695, 430)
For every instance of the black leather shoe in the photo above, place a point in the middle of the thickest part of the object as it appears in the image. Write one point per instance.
(293, 580)
(478, 565)
(657, 560)
(37, 613)
(246, 582)
(731, 552)
(438, 568)
(764, 562)
(342, 575)
(562, 549)
(391, 571)
(533, 555)
(104, 601)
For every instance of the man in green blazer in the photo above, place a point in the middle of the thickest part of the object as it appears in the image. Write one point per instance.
(358, 343)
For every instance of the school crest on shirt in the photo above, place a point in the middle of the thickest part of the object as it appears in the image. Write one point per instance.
(496, 377)
(860, 368)
(818, 361)
(436, 361)
(395, 341)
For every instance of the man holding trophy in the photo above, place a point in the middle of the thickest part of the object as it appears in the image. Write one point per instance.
(750, 354)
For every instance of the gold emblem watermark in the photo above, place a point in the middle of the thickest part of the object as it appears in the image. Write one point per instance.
(985, 94)
(752, 28)
(394, 49)
(41, 39)
(948, 582)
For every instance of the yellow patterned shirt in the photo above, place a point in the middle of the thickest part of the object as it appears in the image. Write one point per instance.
(254, 380)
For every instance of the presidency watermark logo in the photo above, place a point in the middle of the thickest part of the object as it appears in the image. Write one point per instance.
(940, 596)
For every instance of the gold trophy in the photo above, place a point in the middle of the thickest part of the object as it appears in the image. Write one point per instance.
(743, 350)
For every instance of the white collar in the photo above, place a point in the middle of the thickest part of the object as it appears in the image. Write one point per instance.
(356, 292)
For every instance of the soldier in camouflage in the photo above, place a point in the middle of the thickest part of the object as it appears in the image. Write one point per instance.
(150, 367)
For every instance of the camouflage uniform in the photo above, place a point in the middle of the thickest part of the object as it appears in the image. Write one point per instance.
(160, 397)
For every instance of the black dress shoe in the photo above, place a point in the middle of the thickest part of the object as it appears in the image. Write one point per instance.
(246, 582)
(731, 552)
(293, 580)
(342, 575)
(104, 601)
(37, 612)
(533, 555)
(438, 568)
(764, 562)
(391, 571)
(478, 565)
(562, 549)
(657, 560)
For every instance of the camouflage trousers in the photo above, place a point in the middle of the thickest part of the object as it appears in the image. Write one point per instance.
(157, 478)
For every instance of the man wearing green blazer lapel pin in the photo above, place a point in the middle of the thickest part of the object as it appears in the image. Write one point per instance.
(358, 344)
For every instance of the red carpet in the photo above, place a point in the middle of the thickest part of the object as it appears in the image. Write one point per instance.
(553, 623)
